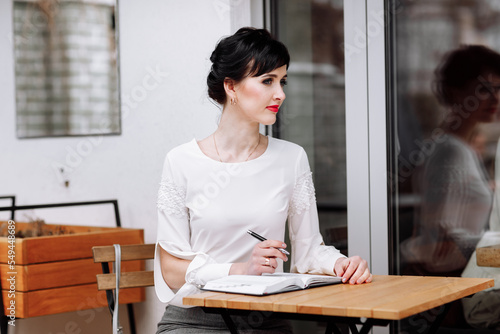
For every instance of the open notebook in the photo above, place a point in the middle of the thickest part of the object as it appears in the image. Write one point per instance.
(268, 283)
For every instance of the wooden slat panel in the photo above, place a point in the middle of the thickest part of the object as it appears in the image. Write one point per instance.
(392, 299)
(209, 298)
(57, 274)
(17, 276)
(67, 299)
(19, 249)
(241, 302)
(218, 301)
(299, 303)
(127, 280)
(449, 289)
(77, 246)
(257, 304)
(270, 302)
(290, 303)
(346, 299)
(67, 247)
(128, 252)
(49, 275)
(56, 228)
(488, 256)
(199, 299)
(387, 297)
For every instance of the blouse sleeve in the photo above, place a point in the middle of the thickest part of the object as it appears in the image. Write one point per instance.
(310, 254)
(174, 237)
(456, 205)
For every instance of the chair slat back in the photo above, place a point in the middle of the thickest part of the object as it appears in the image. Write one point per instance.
(135, 279)
(129, 252)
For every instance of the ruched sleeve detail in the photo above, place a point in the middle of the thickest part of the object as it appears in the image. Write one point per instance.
(172, 199)
(174, 237)
(309, 253)
(303, 194)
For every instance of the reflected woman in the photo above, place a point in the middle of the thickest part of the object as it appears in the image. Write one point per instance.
(456, 195)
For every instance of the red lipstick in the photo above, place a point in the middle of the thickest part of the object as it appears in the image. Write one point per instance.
(273, 108)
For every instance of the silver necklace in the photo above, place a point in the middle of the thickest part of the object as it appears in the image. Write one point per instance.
(217, 150)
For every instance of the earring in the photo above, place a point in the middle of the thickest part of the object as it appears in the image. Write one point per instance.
(233, 101)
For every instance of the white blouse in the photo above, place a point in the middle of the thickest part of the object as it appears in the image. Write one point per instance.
(455, 208)
(205, 208)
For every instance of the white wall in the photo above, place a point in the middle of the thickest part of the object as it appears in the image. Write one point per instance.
(172, 37)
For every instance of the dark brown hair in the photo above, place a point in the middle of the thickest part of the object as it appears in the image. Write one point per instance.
(249, 52)
(461, 66)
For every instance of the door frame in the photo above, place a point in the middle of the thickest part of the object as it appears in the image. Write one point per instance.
(366, 132)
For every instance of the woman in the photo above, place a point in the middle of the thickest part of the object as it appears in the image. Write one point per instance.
(455, 191)
(453, 183)
(214, 190)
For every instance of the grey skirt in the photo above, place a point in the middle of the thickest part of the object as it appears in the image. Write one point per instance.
(194, 321)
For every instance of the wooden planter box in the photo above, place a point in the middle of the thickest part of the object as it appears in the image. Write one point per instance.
(56, 273)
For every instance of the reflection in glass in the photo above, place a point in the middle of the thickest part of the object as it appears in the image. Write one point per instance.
(452, 182)
(444, 93)
(65, 68)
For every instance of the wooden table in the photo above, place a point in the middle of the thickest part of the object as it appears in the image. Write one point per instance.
(488, 256)
(386, 299)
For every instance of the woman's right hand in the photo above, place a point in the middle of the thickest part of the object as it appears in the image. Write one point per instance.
(264, 259)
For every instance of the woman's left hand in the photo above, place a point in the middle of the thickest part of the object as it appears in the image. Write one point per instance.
(353, 270)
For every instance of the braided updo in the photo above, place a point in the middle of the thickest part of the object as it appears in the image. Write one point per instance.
(249, 52)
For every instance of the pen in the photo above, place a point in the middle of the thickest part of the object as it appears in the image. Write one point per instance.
(261, 238)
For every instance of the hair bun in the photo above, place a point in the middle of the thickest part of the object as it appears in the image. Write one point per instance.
(213, 57)
(249, 51)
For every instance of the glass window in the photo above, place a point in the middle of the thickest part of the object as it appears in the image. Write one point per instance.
(444, 81)
(66, 68)
(313, 114)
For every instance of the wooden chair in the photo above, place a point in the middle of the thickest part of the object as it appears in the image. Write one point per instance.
(107, 281)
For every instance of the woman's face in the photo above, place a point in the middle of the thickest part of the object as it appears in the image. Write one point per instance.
(480, 99)
(259, 98)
